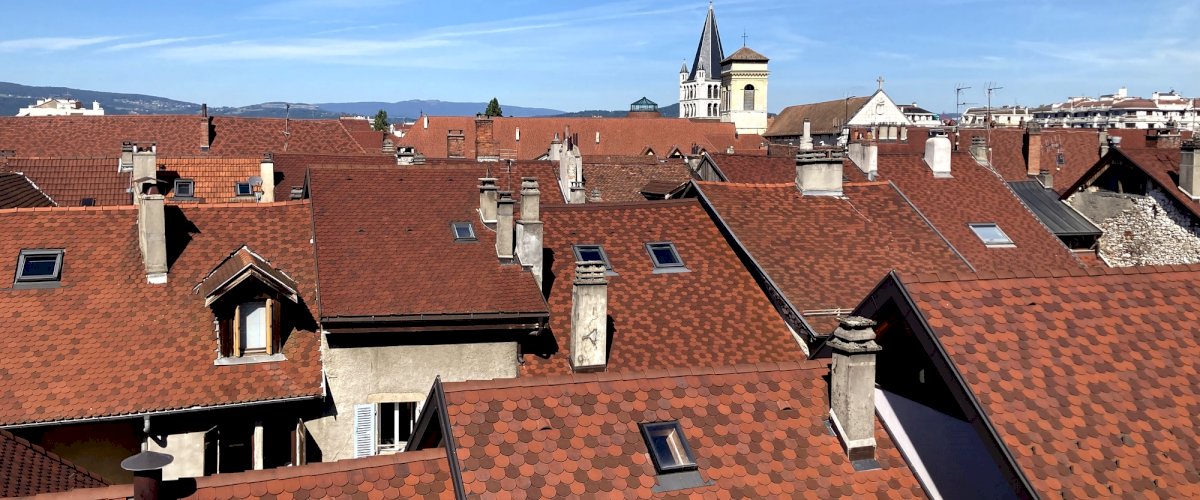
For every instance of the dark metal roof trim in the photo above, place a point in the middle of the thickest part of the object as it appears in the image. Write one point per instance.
(1055, 214)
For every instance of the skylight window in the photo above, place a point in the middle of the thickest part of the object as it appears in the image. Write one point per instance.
(243, 189)
(592, 253)
(665, 257)
(38, 268)
(668, 447)
(991, 235)
(186, 188)
(463, 231)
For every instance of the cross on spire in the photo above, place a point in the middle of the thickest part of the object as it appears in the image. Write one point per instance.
(880, 82)
(744, 38)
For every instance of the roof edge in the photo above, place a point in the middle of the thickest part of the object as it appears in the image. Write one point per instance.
(583, 378)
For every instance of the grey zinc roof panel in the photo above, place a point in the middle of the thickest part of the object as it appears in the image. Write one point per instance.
(1056, 215)
(709, 53)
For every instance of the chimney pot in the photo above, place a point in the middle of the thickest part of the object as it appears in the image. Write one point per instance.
(806, 142)
(589, 317)
(852, 386)
(266, 171)
(529, 229)
(147, 469)
(531, 198)
(937, 155)
(504, 227)
(819, 173)
(487, 199)
(152, 235)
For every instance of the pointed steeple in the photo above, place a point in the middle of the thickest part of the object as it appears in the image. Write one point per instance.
(683, 69)
(709, 52)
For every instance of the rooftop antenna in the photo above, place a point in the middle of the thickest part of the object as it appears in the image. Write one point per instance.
(958, 102)
(287, 117)
(991, 89)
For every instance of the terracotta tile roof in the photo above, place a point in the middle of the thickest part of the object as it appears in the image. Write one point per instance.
(369, 139)
(291, 168)
(214, 178)
(976, 195)
(175, 135)
(828, 252)
(399, 230)
(417, 474)
(755, 431)
(713, 315)
(824, 117)
(745, 54)
(623, 180)
(756, 169)
(244, 259)
(68, 181)
(1080, 149)
(618, 136)
(104, 304)
(27, 469)
(1084, 411)
(17, 191)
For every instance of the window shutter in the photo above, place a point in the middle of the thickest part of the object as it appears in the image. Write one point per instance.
(225, 337)
(272, 324)
(237, 331)
(364, 430)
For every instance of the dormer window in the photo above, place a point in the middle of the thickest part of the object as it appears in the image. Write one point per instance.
(38, 268)
(463, 231)
(593, 253)
(243, 189)
(248, 298)
(185, 188)
(665, 257)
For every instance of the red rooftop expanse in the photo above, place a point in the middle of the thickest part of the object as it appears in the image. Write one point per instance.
(110, 313)
(825, 253)
(392, 252)
(1102, 400)
(28, 469)
(1080, 149)
(624, 179)
(973, 194)
(617, 136)
(714, 315)
(755, 431)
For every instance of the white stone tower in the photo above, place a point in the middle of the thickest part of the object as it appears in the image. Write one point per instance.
(699, 90)
(744, 91)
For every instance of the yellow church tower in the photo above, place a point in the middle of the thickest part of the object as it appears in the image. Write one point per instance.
(744, 91)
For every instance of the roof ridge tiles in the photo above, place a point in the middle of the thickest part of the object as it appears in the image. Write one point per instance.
(746, 184)
(1049, 273)
(563, 207)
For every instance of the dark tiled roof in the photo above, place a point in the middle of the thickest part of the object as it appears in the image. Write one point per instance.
(824, 117)
(827, 252)
(755, 431)
(244, 259)
(623, 180)
(416, 474)
(291, 168)
(1086, 410)
(1080, 150)
(27, 469)
(215, 178)
(713, 315)
(745, 54)
(756, 169)
(1061, 219)
(68, 181)
(162, 333)
(391, 251)
(17, 191)
(255, 136)
(618, 136)
(972, 195)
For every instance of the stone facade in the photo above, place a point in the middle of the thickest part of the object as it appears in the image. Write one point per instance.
(1140, 230)
(744, 95)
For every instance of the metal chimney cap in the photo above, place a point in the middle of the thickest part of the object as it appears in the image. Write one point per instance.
(146, 460)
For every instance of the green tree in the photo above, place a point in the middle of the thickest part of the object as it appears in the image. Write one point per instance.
(381, 121)
(493, 109)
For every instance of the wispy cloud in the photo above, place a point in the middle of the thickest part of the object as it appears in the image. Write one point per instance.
(323, 49)
(157, 42)
(306, 9)
(53, 44)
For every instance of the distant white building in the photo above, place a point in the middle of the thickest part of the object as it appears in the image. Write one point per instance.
(1004, 116)
(920, 117)
(1119, 110)
(61, 107)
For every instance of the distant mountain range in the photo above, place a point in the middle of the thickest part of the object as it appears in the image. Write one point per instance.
(15, 96)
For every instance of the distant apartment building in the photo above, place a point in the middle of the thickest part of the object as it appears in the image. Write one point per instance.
(1003, 116)
(919, 116)
(55, 106)
(1119, 110)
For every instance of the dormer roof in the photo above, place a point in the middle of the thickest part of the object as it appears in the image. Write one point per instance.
(239, 266)
(745, 54)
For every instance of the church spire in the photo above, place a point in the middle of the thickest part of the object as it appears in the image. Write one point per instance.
(709, 53)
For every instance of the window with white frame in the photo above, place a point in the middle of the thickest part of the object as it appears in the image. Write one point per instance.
(381, 428)
(991, 235)
(253, 326)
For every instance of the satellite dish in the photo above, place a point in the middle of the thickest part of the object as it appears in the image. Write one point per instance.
(255, 180)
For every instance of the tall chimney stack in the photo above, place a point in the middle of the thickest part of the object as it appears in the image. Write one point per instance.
(455, 144)
(589, 317)
(937, 155)
(1033, 149)
(979, 149)
(865, 155)
(147, 469)
(266, 170)
(1103, 143)
(529, 229)
(487, 199)
(145, 160)
(819, 173)
(852, 386)
(504, 227)
(486, 146)
(556, 148)
(152, 235)
(1189, 176)
(806, 143)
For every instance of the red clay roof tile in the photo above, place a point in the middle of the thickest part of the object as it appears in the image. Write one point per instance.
(27, 469)
(17, 191)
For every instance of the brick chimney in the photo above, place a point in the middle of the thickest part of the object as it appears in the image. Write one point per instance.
(806, 143)
(1164, 139)
(266, 170)
(147, 469)
(152, 235)
(937, 155)
(589, 317)
(1033, 149)
(206, 129)
(504, 227)
(1189, 170)
(819, 173)
(456, 144)
(852, 386)
(487, 199)
(486, 147)
(529, 229)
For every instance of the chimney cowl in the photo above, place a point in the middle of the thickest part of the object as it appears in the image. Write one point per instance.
(937, 155)
(147, 469)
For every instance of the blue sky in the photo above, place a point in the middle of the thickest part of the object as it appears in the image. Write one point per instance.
(587, 55)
